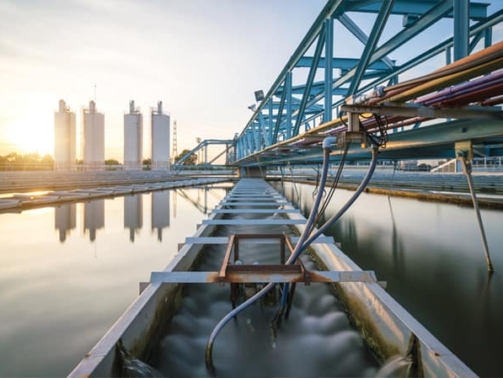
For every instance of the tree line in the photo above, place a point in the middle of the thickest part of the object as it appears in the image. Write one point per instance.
(19, 162)
(36, 162)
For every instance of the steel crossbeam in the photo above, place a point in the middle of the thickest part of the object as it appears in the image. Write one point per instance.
(289, 274)
(297, 106)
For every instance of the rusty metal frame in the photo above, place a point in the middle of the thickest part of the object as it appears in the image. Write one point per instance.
(278, 273)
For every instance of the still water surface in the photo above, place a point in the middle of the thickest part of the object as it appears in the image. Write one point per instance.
(431, 256)
(67, 273)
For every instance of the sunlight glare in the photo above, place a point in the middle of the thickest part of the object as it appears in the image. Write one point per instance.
(30, 136)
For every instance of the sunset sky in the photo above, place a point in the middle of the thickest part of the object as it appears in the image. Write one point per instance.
(204, 59)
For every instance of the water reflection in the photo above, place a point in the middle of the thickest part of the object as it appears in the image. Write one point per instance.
(198, 197)
(94, 217)
(432, 258)
(160, 212)
(65, 216)
(133, 215)
(58, 299)
(65, 220)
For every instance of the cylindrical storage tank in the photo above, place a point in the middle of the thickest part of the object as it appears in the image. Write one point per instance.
(65, 138)
(133, 139)
(160, 140)
(94, 138)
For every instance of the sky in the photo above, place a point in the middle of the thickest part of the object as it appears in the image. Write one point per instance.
(203, 59)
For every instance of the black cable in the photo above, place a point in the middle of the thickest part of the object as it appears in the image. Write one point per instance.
(335, 183)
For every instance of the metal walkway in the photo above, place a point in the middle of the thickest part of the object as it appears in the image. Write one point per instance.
(256, 197)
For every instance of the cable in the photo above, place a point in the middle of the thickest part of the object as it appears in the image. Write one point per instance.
(270, 286)
(335, 183)
(302, 244)
(357, 193)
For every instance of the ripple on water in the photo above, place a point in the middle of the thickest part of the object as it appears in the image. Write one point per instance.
(316, 340)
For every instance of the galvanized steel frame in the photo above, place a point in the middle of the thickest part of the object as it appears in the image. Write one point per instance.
(296, 105)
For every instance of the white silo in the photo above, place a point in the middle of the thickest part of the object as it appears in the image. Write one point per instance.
(133, 138)
(65, 138)
(160, 139)
(94, 138)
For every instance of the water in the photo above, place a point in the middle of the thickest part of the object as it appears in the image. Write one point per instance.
(316, 340)
(67, 273)
(431, 256)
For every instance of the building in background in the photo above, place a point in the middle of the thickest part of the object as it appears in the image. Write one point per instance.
(160, 139)
(65, 138)
(94, 138)
(133, 138)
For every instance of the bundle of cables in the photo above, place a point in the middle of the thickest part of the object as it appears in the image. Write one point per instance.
(307, 237)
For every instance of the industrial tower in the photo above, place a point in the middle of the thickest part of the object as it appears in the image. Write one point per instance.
(133, 138)
(94, 138)
(160, 139)
(65, 138)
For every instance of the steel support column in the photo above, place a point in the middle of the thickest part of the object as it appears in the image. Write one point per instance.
(461, 28)
(288, 90)
(329, 69)
(280, 114)
(270, 121)
(309, 82)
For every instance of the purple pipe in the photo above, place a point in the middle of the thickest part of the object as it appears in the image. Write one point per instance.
(466, 91)
(462, 88)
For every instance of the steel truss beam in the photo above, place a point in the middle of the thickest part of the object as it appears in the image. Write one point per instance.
(298, 110)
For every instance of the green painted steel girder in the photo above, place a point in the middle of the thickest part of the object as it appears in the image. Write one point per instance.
(406, 7)
(340, 63)
(434, 141)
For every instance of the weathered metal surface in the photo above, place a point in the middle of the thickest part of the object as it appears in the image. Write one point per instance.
(255, 222)
(224, 240)
(291, 273)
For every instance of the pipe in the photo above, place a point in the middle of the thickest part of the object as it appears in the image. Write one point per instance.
(483, 56)
(482, 83)
(361, 99)
(474, 96)
(488, 59)
(493, 101)
(447, 80)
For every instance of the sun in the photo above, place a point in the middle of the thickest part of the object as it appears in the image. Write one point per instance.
(31, 135)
